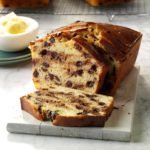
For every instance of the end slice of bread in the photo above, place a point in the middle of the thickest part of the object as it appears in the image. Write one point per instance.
(68, 107)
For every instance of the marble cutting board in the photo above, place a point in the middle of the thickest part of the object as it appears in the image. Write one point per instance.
(118, 127)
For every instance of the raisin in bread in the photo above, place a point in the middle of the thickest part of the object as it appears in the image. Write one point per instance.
(68, 107)
(105, 2)
(22, 3)
(119, 44)
(60, 60)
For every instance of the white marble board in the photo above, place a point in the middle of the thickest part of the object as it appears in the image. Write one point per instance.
(118, 127)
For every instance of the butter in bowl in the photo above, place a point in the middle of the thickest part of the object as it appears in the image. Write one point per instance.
(16, 32)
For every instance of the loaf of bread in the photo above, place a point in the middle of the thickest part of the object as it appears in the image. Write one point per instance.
(23, 3)
(119, 44)
(68, 107)
(89, 56)
(105, 2)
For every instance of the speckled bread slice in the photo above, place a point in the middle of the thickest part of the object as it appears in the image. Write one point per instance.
(120, 44)
(68, 107)
(23, 3)
(59, 60)
(105, 2)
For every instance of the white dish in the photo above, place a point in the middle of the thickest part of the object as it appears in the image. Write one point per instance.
(18, 42)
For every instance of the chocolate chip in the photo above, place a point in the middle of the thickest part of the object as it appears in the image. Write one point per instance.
(78, 86)
(68, 70)
(46, 44)
(92, 69)
(40, 109)
(90, 83)
(79, 63)
(79, 72)
(46, 65)
(62, 105)
(44, 69)
(80, 113)
(68, 84)
(95, 110)
(43, 52)
(79, 106)
(88, 95)
(54, 77)
(35, 73)
(51, 76)
(77, 46)
(75, 34)
(52, 40)
(93, 99)
(84, 104)
(38, 93)
(81, 96)
(86, 55)
(57, 79)
(91, 96)
(54, 55)
(101, 103)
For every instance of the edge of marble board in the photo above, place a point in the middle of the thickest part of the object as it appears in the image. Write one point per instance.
(30, 125)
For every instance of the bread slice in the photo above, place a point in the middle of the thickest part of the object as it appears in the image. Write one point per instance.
(63, 60)
(105, 2)
(68, 107)
(120, 44)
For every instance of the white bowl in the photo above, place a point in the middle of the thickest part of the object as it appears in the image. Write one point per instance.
(18, 42)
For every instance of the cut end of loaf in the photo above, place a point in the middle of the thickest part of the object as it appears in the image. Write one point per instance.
(59, 61)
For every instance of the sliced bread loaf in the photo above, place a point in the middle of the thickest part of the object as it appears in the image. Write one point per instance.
(119, 44)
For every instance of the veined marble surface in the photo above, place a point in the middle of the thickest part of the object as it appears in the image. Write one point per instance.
(15, 80)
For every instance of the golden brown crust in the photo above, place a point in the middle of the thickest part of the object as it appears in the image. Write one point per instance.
(26, 106)
(21, 3)
(105, 2)
(125, 67)
(116, 39)
(82, 120)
